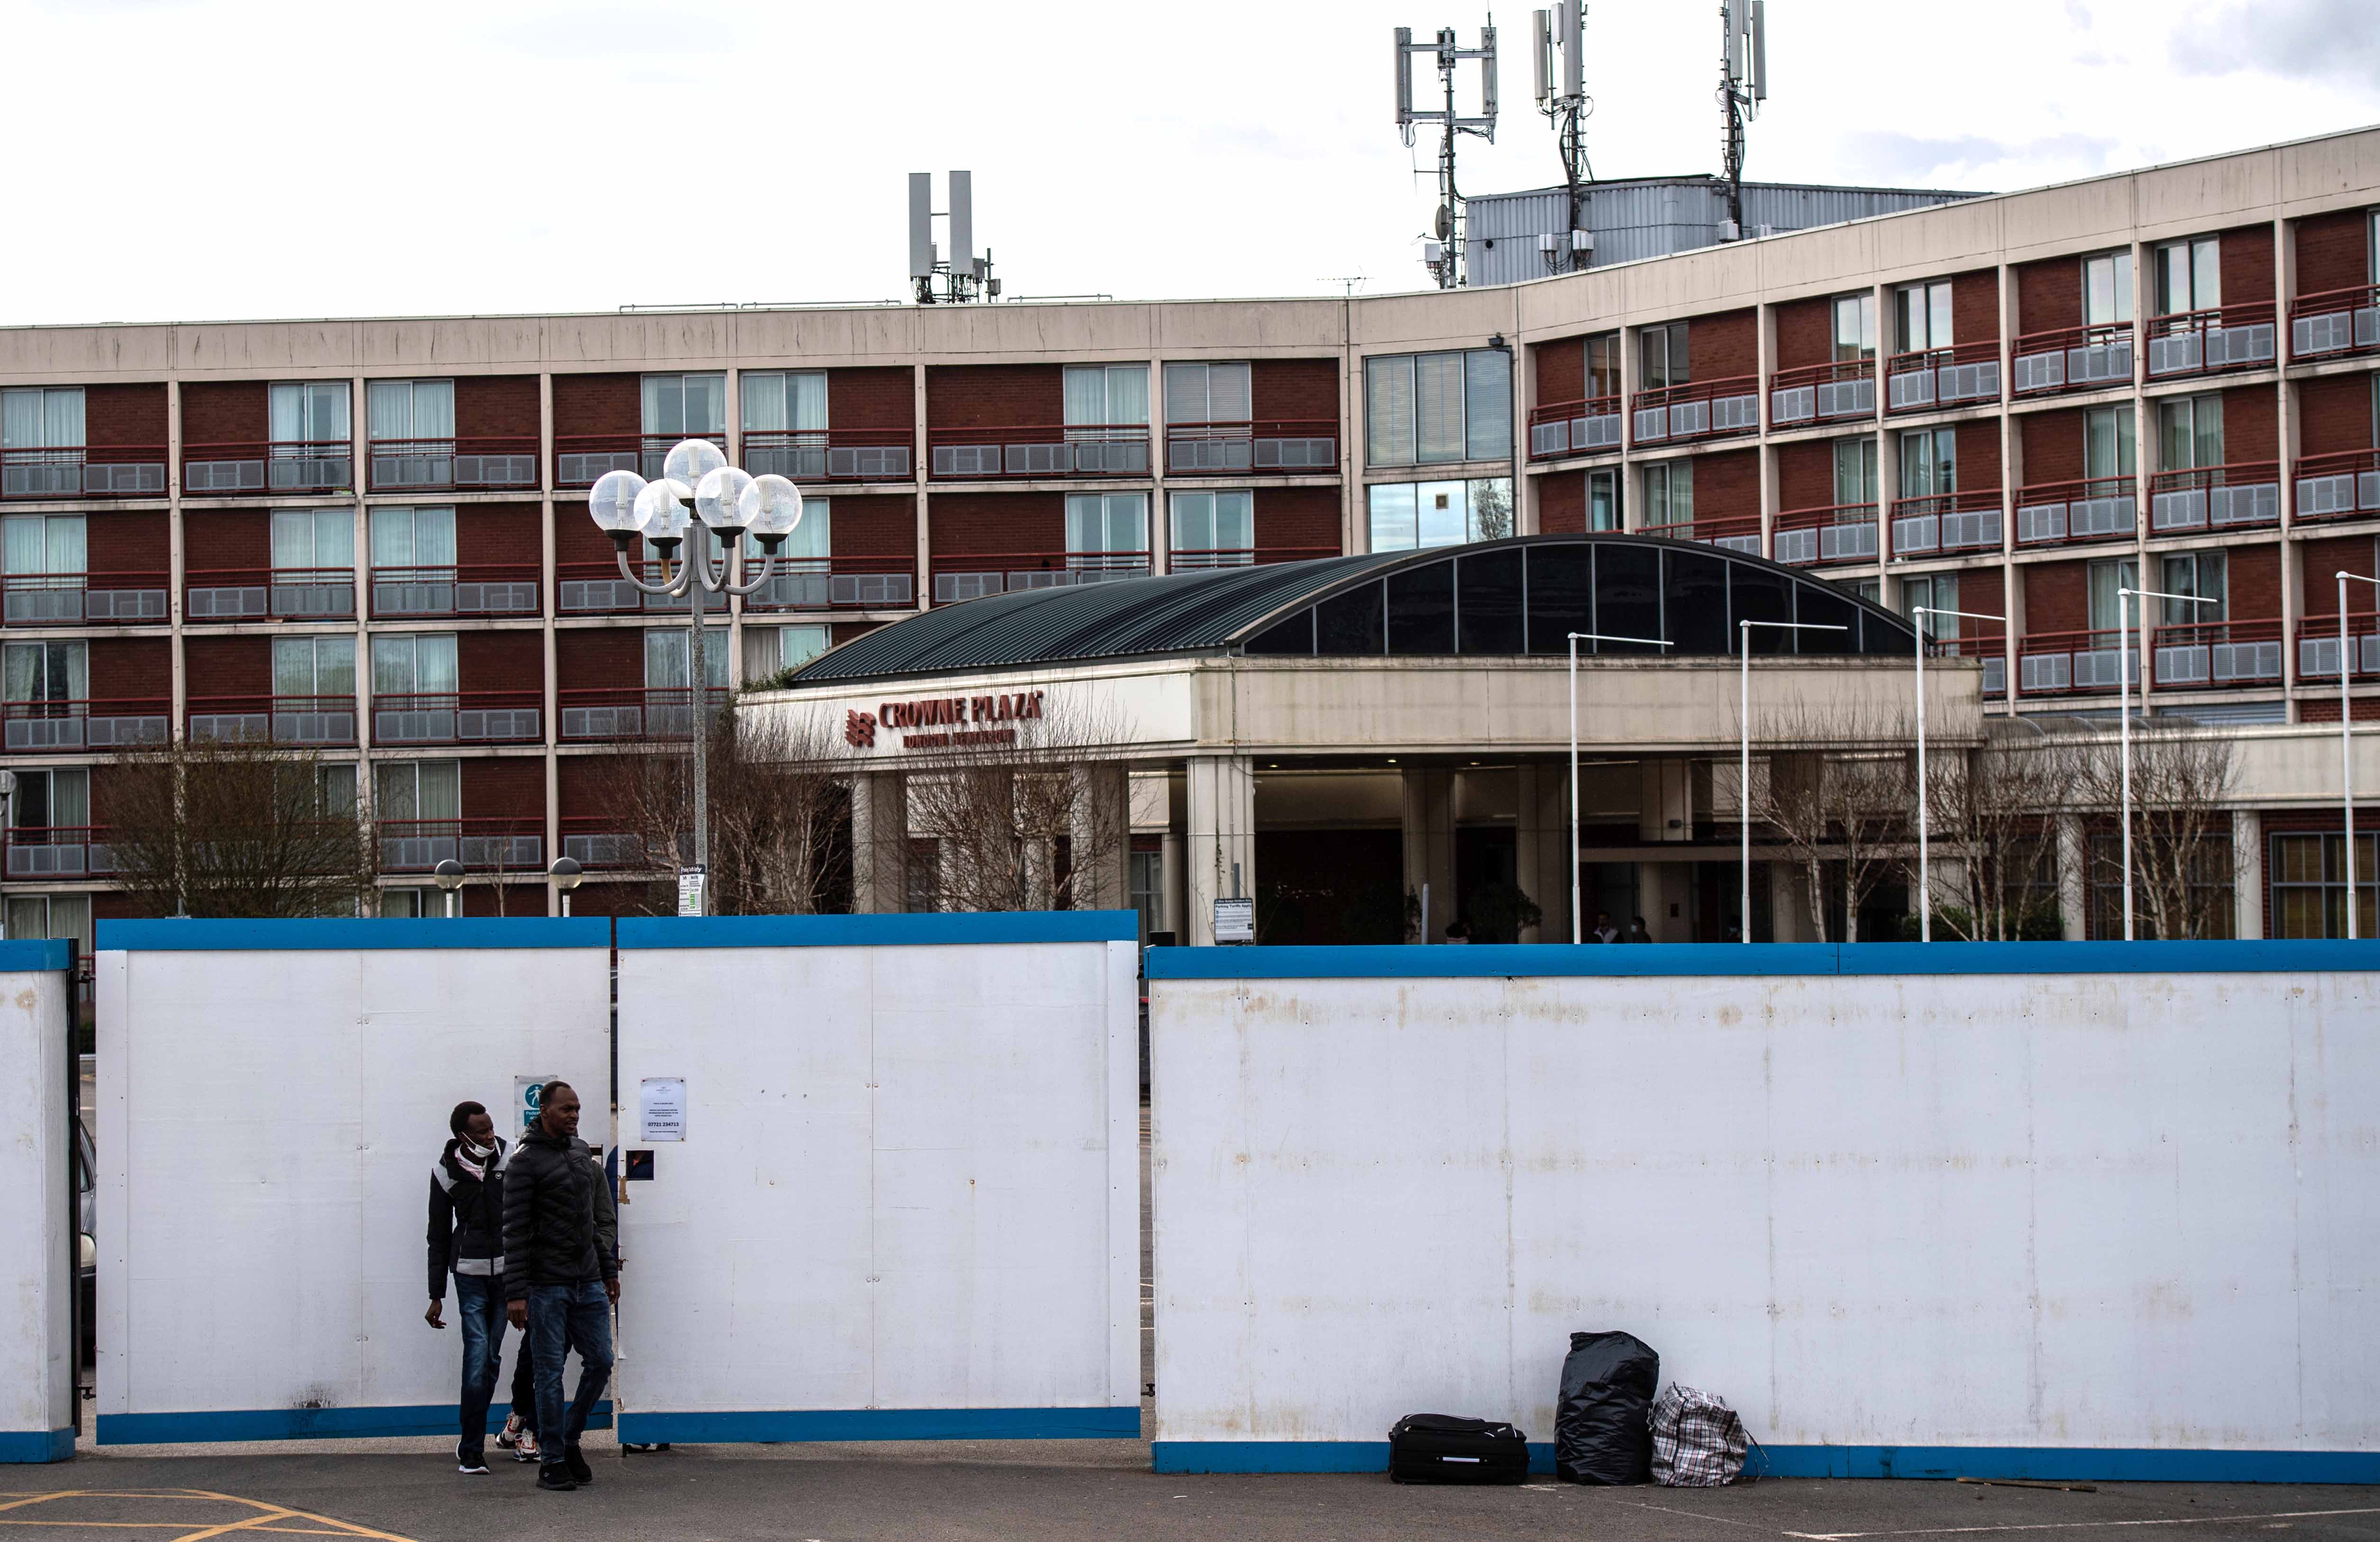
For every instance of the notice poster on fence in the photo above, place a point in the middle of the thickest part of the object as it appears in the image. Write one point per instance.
(689, 890)
(661, 1108)
(526, 1092)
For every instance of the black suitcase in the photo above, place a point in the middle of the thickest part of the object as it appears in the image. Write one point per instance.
(1440, 1448)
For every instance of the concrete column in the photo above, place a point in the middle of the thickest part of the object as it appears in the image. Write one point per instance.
(1430, 846)
(2293, 585)
(549, 606)
(879, 834)
(1660, 885)
(1546, 862)
(1665, 808)
(1103, 837)
(2073, 860)
(1221, 861)
(1789, 904)
(1174, 913)
(2248, 872)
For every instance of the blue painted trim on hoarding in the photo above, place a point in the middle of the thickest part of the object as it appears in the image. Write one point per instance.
(1738, 960)
(33, 954)
(297, 1424)
(860, 931)
(885, 1424)
(36, 1445)
(2042, 1464)
(345, 935)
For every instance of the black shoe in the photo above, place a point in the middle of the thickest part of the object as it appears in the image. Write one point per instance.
(470, 1463)
(577, 1463)
(554, 1476)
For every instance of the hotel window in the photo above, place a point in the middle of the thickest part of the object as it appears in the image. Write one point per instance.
(1855, 472)
(2310, 885)
(1213, 529)
(2190, 432)
(306, 539)
(1603, 365)
(1425, 408)
(1669, 493)
(1147, 891)
(791, 402)
(52, 916)
(1603, 506)
(1940, 591)
(413, 538)
(1854, 327)
(1411, 515)
(415, 663)
(2204, 575)
(314, 667)
(2107, 442)
(1107, 533)
(769, 650)
(2102, 580)
(50, 546)
(405, 792)
(2188, 277)
(1662, 353)
(2107, 289)
(665, 659)
(1869, 589)
(1922, 312)
(1206, 394)
(684, 407)
(45, 672)
(309, 412)
(1929, 463)
(812, 540)
(1106, 395)
(47, 418)
(397, 409)
(50, 800)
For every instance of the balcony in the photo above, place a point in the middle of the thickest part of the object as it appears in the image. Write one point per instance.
(597, 589)
(974, 574)
(1039, 450)
(269, 594)
(2213, 654)
(84, 599)
(1938, 378)
(2318, 648)
(269, 468)
(84, 471)
(2241, 494)
(1946, 522)
(60, 851)
(599, 844)
(1825, 537)
(2335, 323)
(1822, 393)
(632, 714)
(313, 720)
(579, 458)
(1700, 410)
(2069, 663)
(1991, 650)
(2207, 342)
(2073, 358)
(451, 465)
(2072, 512)
(479, 588)
(830, 455)
(1733, 533)
(838, 584)
(458, 718)
(481, 845)
(114, 722)
(2343, 485)
(1583, 428)
(1287, 446)
(1202, 559)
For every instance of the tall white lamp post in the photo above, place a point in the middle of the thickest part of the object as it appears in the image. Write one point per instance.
(1575, 638)
(2345, 736)
(727, 502)
(1744, 761)
(564, 875)
(2124, 598)
(1925, 869)
(449, 874)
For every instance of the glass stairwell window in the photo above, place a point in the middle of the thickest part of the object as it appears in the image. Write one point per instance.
(312, 443)
(413, 569)
(45, 558)
(1107, 419)
(1212, 529)
(1428, 408)
(786, 425)
(1406, 517)
(313, 695)
(412, 432)
(680, 406)
(416, 683)
(42, 442)
(313, 564)
(1106, 537)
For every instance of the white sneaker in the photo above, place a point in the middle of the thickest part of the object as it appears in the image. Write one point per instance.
(525, 1449)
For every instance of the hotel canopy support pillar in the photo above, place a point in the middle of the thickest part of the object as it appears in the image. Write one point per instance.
(1222, 854)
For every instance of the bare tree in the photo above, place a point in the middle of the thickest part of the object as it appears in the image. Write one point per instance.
(779, 806)
(238, 828)
(1839, 790)
(1992, 820)
(2181, 779)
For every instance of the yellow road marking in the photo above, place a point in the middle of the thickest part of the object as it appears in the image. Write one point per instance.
(267, 1518)
(252, 1521)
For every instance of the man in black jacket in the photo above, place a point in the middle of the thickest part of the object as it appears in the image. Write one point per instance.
(561, 1275)
(467, 1238)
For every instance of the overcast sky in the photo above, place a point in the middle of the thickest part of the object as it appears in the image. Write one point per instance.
(199, 159)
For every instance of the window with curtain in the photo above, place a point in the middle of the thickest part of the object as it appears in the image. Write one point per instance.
(1921, 314)
(1603, 365)
(314, 666)
(1429, 408)
(48, 800)
(1669, 493)
(813, 539)
(43, 417)
(1929, 463)
(2309, 877)
(1206, 392)
(1486, 405)
(1405, 516)
(2189, 275)
(787, 402)
(405, 537)
(665, 658)
(410, 409)
(1112, 525)
(1855, 477)
(2102, 580)
(407, 791)
(2201, 575)
(414, 663)
(2107, 442)
(313, 539)
(1854, 327)
(52, 916)
(309, 412)
(1662, 353)
(2190, 432)
(51, 672)
(1940, 591)
(1603, 506)
(685, 406)
(1213, 529)
(798, 645)
(2107, 289)
(1100, 395)
(43, 545)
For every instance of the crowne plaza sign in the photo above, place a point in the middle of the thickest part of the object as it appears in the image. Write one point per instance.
(944, 722)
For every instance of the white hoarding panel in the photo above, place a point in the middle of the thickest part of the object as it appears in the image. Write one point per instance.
(37, 1219)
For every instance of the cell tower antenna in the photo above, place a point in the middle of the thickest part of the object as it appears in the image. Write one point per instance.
(1558, 53)
(1442, 254)
(963, 276)
(1743, 86)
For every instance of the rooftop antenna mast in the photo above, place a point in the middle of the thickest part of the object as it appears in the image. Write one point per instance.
(1743, 86)
(1560, 55)
(1443, 256)
(962, 278)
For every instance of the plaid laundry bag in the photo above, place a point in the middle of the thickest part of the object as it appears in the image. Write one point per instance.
(1698, 1442)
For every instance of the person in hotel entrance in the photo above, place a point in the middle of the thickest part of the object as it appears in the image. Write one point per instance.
(561, 1276)
(466, 1224)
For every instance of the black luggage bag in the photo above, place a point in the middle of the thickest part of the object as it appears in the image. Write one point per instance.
(1441, 1448)
(1602, 1418)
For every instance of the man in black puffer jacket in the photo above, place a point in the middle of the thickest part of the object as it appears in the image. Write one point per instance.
(561, 1275)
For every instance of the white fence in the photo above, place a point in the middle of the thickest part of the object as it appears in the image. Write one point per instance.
(37, 1226)
(2085, 1210)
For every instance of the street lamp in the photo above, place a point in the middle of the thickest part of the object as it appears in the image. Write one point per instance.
(2346, 737)
(727, 504)
(1744, 762)
(1924, 869)
(1575, 638)
(564, 875)
(449, 874)
(2124, 718)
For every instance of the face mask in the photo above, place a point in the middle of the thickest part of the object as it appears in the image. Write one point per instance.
(472, 1149)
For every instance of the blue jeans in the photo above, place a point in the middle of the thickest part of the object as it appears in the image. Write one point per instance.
(564, 1317)
(480, 1306)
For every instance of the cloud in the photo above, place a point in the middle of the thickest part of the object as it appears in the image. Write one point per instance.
(1978, 161)
(2295, 39)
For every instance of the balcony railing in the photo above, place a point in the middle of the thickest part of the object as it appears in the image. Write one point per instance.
(628, 714)
(84, 599)
(2068, 513)
(2204, 341)
(597, 589)
(269, 594)
(2218, 497)
(1822, 393)
(281, 719)
(2344, 484)
(579, 458)
(1734, 532)
(458, 718)
(1824, 536)
(84, 471)
(472, 588)
(2062, 663)
(1946, 522)
(60, 851)
(1583, 428)
(450, 463)
(1936, 377)
(598, 844)
(1266, 447)
(875, 583)
(1991, 649)
(973, 575)
(481, 845)
(2073, 358)
(2318, 646)
(269, 466)
(828, 455)
(1199, 559)
(113, 722)
(2200, 655)
(2335, 322)
(1699, 409)
(1039, 450)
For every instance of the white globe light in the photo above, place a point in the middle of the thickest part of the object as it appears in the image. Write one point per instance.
(662, 512)
(772, 507)
(690, 460)
(719, 499)
(612, 501)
